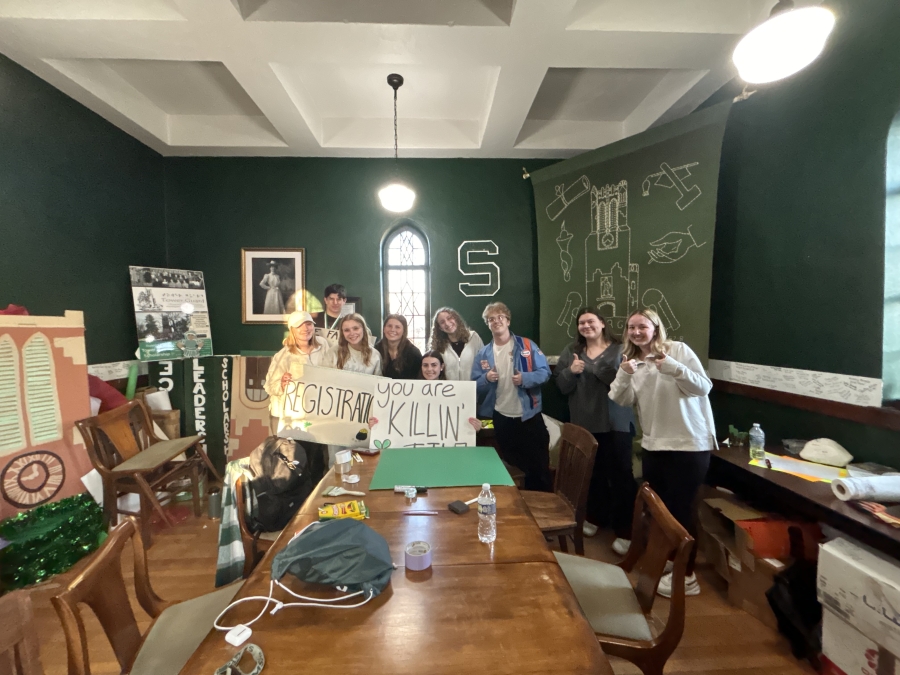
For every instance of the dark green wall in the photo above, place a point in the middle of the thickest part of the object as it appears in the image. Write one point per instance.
(80, 200)
(799, 259)
(216, 206)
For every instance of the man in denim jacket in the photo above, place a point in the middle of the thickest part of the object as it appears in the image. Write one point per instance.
(509, 372)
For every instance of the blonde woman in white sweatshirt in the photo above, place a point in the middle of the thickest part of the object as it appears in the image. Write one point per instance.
(353, 351)
(669, 388)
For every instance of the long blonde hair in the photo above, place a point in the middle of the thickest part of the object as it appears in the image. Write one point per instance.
(293, 346)
(439, 338)
(658, 345)
(343, 353)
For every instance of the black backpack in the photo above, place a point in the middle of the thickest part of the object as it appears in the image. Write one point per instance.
(281, 482)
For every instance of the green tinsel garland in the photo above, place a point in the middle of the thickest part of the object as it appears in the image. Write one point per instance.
(48, 540)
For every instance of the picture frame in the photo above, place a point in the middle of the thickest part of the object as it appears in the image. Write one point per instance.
(273, 283)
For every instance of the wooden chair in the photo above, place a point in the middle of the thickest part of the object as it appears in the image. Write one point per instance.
(619, 611)
(131, 459)
(172, 638)
(561, 513)
(255, 544)
(20, 652)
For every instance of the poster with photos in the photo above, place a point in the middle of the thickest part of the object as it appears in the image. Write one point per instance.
(171, 314)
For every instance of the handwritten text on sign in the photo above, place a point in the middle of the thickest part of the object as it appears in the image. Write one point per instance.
(325, 405)
(421, 413)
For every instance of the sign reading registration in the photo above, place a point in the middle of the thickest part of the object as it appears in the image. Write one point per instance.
(325, 405)
(423, 413)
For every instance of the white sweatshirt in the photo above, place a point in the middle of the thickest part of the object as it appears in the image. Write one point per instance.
(672, 402)
(287, 362)
(355, 363)
(460, 367)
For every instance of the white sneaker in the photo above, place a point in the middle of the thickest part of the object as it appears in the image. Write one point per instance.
(691, 586)
(588, 529)
(621, 546)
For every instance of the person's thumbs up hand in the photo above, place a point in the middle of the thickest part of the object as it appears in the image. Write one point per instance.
(577, 366)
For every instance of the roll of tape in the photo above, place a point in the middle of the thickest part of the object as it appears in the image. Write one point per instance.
(418, 556)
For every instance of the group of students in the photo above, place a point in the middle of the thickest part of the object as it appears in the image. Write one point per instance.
(605, 379)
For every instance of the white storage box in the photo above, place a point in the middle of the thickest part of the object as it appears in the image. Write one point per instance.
(861, 587)
(850, 652)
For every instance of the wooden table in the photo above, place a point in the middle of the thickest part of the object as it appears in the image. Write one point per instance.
(499, 608)
(776, 490)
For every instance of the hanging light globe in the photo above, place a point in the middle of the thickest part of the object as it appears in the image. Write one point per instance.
(785, 44)
(396, 198)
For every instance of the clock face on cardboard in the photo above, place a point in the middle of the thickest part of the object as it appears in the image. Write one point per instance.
(32, 479)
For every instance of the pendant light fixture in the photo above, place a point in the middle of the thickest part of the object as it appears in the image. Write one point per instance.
(788, 41)
(396, 197)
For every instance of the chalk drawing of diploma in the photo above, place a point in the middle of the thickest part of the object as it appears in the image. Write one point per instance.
(565, 258)
(567, 195)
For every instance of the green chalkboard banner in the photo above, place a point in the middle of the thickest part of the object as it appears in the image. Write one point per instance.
(630, 226)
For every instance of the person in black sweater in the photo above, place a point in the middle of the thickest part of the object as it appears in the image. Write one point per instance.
(400, 358)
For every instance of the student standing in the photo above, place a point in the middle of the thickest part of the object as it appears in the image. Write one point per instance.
(400, 358)
(584, 372)
(455, 342)
(432, 366)
(301, 346)
(509, 372)
(667, 383)
(335, 297)
(353, 351)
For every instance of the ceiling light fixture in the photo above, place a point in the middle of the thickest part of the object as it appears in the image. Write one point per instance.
(788, 41)
(396, 197)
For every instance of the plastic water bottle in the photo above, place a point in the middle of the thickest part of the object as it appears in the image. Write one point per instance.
(757, 443)
(487, 515)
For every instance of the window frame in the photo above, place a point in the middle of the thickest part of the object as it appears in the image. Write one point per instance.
(396, 230)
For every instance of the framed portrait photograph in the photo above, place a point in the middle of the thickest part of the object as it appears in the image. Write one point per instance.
(273, 283)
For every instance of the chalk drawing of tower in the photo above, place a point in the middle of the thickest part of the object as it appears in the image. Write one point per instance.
(611, 279)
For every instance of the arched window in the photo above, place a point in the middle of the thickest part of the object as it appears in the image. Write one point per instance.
(406, 280)
(12, 422)
(891, 332)
(41, 393)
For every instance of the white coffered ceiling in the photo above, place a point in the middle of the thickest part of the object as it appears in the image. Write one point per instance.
(484, 78)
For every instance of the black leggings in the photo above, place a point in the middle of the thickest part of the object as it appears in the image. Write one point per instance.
(676, 476)
(612, 491)
(527, 446)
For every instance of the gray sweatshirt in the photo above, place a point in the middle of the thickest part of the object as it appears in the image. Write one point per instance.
(589, 403)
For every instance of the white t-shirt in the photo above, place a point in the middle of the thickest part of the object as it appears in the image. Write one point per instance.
(507, 402)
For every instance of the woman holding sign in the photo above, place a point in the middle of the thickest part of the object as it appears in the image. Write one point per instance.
(301, 347)
(353, 350)
(400, 358)
(584, 372)
(670, 388)
(455, 342)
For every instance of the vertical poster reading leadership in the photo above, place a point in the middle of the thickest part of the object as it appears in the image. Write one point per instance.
(170, 313)
(629, 227)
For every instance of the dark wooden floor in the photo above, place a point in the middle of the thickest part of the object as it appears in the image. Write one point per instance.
(719, 639)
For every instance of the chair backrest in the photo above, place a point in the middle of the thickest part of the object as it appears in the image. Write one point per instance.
(102, 588)
(20, 652)
(655, 538)
(247, 540)
(117, 435)
(577, 452)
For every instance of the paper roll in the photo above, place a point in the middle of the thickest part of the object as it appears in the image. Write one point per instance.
(874, 488)
(158, 400)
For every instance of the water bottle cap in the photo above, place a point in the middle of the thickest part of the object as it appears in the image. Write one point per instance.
(756, 424)
(485, 486)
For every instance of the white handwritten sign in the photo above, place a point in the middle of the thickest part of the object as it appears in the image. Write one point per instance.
(423, 413)
(325, 405)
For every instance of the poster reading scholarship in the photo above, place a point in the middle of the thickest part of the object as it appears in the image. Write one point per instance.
(171, 314)
(630, 226)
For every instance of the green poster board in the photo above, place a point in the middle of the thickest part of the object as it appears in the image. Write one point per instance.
(630, 226)
(439, 467)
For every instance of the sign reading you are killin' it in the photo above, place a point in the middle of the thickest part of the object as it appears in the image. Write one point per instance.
(414, 413)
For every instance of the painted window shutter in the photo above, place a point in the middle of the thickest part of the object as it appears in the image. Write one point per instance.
(12, 424)
(41, 397)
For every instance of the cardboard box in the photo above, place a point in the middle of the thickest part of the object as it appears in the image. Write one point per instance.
(849, 652)
(862, 587)
(747, 589)
(722, 540)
